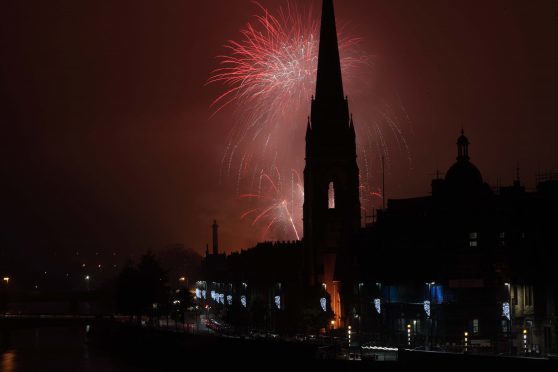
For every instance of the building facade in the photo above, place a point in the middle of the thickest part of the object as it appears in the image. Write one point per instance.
(465, 268)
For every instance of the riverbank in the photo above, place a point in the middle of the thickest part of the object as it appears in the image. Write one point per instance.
(159, 349)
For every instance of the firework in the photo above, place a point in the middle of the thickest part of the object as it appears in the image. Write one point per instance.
(276, 206)
(269, 76)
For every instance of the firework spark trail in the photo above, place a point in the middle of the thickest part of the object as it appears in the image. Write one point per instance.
(268, 77)
(275, 209)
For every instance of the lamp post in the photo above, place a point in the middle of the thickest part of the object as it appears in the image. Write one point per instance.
(349, 338)
(510, 329)
(430, 317)
(525, 346)
(4, 299)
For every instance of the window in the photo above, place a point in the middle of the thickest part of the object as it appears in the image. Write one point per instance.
(331, 196)
(504, 326)
(416, 326)
(528, 295)
(475, 326)
(401, 324)
(473, 239)
(502, 239)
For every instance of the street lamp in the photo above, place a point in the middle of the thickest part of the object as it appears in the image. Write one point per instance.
(349, 337)
(429, 314)
(510, 307)
(4, 294)
(525, 348)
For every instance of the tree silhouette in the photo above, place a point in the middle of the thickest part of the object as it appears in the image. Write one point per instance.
(128, 290)
(140, 290)
(152, 281)
(312, 317)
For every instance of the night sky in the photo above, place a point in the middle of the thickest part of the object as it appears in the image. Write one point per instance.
(107, 141)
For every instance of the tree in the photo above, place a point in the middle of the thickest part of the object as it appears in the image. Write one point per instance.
(152, 281)
(179, 261)
(312, 316)
(139, 288)
(128, 290)
(183, 301)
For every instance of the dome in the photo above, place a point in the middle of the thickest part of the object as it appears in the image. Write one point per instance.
(464, 174)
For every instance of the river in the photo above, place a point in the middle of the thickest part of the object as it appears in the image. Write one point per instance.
(56, 349)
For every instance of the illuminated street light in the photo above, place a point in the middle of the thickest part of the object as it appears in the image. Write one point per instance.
(7, 279)
(349, 337)
(408, 335)
(466, 341)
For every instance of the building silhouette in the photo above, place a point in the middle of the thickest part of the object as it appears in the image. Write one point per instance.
(331, 179)
(465, 260)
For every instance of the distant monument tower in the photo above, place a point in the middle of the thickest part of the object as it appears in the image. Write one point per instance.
(215, 229)
(331, 176)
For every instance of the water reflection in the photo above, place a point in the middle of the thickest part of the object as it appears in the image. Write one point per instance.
(8, 361)
(55, 349)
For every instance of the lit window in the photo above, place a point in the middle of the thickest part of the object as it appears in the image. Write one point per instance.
(473, 239)
(475, 326)
(331, 196)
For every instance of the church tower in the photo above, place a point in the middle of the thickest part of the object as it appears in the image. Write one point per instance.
(331, 178)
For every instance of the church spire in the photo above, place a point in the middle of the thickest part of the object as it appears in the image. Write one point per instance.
(329, 84)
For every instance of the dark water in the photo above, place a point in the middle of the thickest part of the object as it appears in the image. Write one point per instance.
(56, 349)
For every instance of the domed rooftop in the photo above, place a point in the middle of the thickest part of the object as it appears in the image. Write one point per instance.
(464, 173)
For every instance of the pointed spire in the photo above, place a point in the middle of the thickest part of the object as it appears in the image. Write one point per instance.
(329, 84)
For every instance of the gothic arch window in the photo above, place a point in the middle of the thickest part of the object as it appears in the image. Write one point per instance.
(331, 196)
